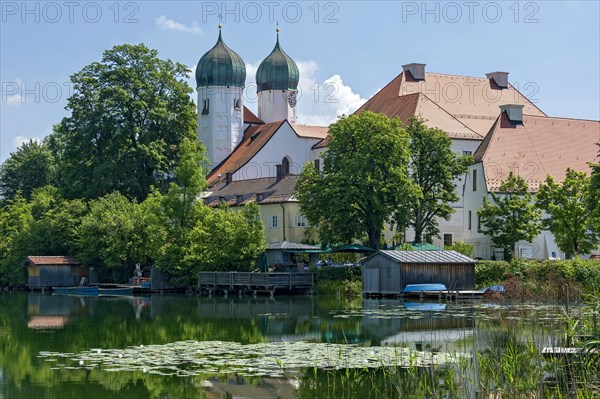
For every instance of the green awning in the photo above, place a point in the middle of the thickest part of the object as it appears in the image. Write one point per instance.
(426, 247)
(352, 248)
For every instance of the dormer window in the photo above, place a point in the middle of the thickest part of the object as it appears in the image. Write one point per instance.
(260, 197)
(221, 199)
(239, 199)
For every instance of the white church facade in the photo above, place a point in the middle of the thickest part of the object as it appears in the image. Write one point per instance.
(258, 157)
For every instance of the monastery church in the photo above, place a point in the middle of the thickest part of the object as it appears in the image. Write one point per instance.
(259, 157)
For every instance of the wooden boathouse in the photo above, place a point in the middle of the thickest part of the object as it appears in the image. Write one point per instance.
(387, 272)
(243, 282)
(49, 271)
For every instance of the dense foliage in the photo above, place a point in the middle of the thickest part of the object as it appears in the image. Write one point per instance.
(175, 232)
(364, 183)
(570, 217)
(434, 168)
(30, 167)
(129, 114)
(511, 215)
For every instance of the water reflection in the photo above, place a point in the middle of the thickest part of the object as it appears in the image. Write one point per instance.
(30, 324)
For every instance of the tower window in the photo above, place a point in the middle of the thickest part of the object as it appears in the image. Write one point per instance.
(318, 164)
(206, 105)
(237, 104)
(286, 165)
(474, 179)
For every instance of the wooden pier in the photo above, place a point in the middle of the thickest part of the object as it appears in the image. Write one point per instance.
(242, 282)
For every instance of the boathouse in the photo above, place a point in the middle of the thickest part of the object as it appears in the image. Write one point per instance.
(387, 272)
(55, 271)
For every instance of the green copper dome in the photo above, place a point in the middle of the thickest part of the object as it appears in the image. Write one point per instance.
(278, 71)
(220, 66)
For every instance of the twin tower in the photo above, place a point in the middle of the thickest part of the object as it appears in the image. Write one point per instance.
(220, 79)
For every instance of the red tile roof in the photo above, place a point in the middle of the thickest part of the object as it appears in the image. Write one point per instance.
(52, 260)
(250, 118)
(538, 147)
(272, 191)
(255, 137)
(463, 106)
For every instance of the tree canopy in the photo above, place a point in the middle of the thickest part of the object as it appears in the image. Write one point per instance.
(364, 183)
(129, 114)
(434, 168)
(571, 219)
(511, 215)
(31, 166)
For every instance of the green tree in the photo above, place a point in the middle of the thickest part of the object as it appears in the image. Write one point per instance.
(511, 215)
(26, 169)
(571, 219)
(594, 197)
(117, 233)
(433, 167)
(129, 114)
(364, 183)
(15, 218)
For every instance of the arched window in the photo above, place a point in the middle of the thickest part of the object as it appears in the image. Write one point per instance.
(286, 165)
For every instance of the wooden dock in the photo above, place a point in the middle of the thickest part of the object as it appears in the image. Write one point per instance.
(242, 282)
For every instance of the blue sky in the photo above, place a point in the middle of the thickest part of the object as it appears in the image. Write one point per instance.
(346, 50)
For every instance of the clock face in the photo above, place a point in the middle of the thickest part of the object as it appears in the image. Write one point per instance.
(292, 98)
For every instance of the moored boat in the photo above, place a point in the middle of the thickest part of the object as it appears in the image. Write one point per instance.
(424, 287)
(76, 290)
(116, 291)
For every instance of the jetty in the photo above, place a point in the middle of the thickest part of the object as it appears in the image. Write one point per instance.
(246, 282)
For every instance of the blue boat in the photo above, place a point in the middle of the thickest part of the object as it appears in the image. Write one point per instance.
(116, 291)
(424, 287)
(76, 290)
(424, 306)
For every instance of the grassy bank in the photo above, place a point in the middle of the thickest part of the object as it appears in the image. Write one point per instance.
(527, 280)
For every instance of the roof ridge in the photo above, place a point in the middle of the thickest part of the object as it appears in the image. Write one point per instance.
(452, 116)
(562, 117)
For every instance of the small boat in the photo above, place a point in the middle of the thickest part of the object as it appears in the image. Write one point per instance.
(76, 290)
(424, 287)
(424, 306)
(116, 291)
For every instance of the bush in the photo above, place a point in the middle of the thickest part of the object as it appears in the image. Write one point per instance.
(463, 248)
(328, 273)
(345, 288)
(489, 272)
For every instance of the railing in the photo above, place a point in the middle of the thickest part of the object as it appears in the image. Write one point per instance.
(261, 281)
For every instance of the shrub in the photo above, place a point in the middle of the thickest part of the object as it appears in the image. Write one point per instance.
(463, 248)
(338, 274)
(489, 272)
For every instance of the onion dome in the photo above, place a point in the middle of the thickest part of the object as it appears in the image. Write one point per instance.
(220, 66)
(278, 71)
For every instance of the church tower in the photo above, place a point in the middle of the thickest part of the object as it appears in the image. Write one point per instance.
(220, 78)
(277, 86)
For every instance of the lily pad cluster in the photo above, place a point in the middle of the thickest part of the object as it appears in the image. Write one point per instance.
(273, 359)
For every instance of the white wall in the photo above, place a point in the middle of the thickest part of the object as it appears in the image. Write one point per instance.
(285, 142)
(220, 131)
(273, 105)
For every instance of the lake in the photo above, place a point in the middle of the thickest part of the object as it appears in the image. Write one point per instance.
(58, 346)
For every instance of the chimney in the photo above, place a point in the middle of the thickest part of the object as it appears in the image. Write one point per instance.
(228, 178)
(500, 78)
(416, 70)
(280, 171)
(514, 112)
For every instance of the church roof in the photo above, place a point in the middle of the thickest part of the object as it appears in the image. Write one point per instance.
(278, 71)
(463, 106)
(250, 118)
(264, 190)
(255, 137)
(538, 147)
(220, 66)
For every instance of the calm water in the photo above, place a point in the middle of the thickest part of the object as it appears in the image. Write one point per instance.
(33, 324)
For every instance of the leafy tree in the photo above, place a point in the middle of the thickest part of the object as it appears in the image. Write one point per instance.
(364, 183)
(462, 247)
(227, 240)
(433, 167)
(117, 233)
(594, 197)
(129, 114)
(511, 216)
(15, 218)
(571, 219)
(28, 168)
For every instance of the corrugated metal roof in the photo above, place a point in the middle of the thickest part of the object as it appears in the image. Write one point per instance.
(427, 256)
(286, 245)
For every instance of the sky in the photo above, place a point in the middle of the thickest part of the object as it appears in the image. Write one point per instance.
(346, 50)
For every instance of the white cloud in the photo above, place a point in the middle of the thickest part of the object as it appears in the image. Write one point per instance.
(169, 24)
(322, 102)
(20, 140)
(12, 93)
(13, 99)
